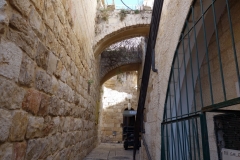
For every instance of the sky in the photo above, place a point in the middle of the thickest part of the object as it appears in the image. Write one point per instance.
(130, 3)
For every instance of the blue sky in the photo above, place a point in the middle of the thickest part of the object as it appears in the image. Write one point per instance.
(130, 3)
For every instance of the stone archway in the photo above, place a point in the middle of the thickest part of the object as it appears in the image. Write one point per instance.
(121, 34)
(120, 69)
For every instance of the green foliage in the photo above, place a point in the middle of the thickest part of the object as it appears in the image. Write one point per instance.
(104, 15)
(136, 11)
(90, 81)
(123, 14)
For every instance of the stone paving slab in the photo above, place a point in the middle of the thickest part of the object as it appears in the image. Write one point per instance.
(110, 151)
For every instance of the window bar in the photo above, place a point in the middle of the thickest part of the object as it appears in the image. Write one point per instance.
(179, 87)
(219, 52)
(167, 137)
(178, 136)
(187, 139)
(233, 42)
(174, 92)
(194, 139)
(171, 117)
(180, 131)
(171, 123)
(207, 56)
(197, 135)
(195, 41)
(204, 131)
(185, 74)
(173, 142)
(198, 20)
(163, 142)
(190, 139)
(184, 140)
(190, 54)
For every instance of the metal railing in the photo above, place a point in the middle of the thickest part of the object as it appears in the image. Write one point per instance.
(196, 85)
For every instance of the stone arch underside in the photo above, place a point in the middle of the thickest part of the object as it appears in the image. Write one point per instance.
(119, 35)
(120, 69)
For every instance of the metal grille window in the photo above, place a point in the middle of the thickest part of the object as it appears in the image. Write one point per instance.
(204, 77)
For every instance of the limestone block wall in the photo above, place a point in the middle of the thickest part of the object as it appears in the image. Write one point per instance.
(170, 27)
(47, 105)
(114, 101)
(168, 36)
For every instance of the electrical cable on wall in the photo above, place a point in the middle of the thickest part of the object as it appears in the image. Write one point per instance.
(126, 5)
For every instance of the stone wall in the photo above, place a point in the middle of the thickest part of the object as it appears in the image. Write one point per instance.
(168, 36)
(47, 103)
(114, 101)
(170, 27)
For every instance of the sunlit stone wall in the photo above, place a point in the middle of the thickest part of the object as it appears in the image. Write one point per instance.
(47, 110)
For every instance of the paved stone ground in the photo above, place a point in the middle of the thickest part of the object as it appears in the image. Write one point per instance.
(110, 151)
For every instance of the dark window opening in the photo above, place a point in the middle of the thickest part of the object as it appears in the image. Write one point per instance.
(227, 132)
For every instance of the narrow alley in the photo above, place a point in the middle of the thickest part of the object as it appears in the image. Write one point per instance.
(111, 151)
(119, 79)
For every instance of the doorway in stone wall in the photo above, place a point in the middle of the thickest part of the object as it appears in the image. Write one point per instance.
(117, 94)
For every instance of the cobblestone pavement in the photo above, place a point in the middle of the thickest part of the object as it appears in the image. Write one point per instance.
(110, 151)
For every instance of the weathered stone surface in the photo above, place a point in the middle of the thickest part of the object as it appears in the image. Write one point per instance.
(48, 14)
(19, 126)
(43, 81)
(35, 147)
(52, 63)
(6, 151)
(39, 5)
(3, 16)
(26, 76)
(22, 6)
(36, 23)
(59, 69)
(10, 60)
(56, 125)
(64, 74)
(5, 121)
(61, 139)
(17, 22)
(48, 125)
(44, 104)
(64, 154)
(42, 55)
(47, 149)
(32, 101)
(54, 104)
(19, 150)
(35, 127)
(78, 124)
(7, 90)
(54, 87)
(26, 42)
(66, 126)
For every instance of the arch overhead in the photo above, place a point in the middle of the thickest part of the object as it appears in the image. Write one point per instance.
(121, 34)
(120, 69)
